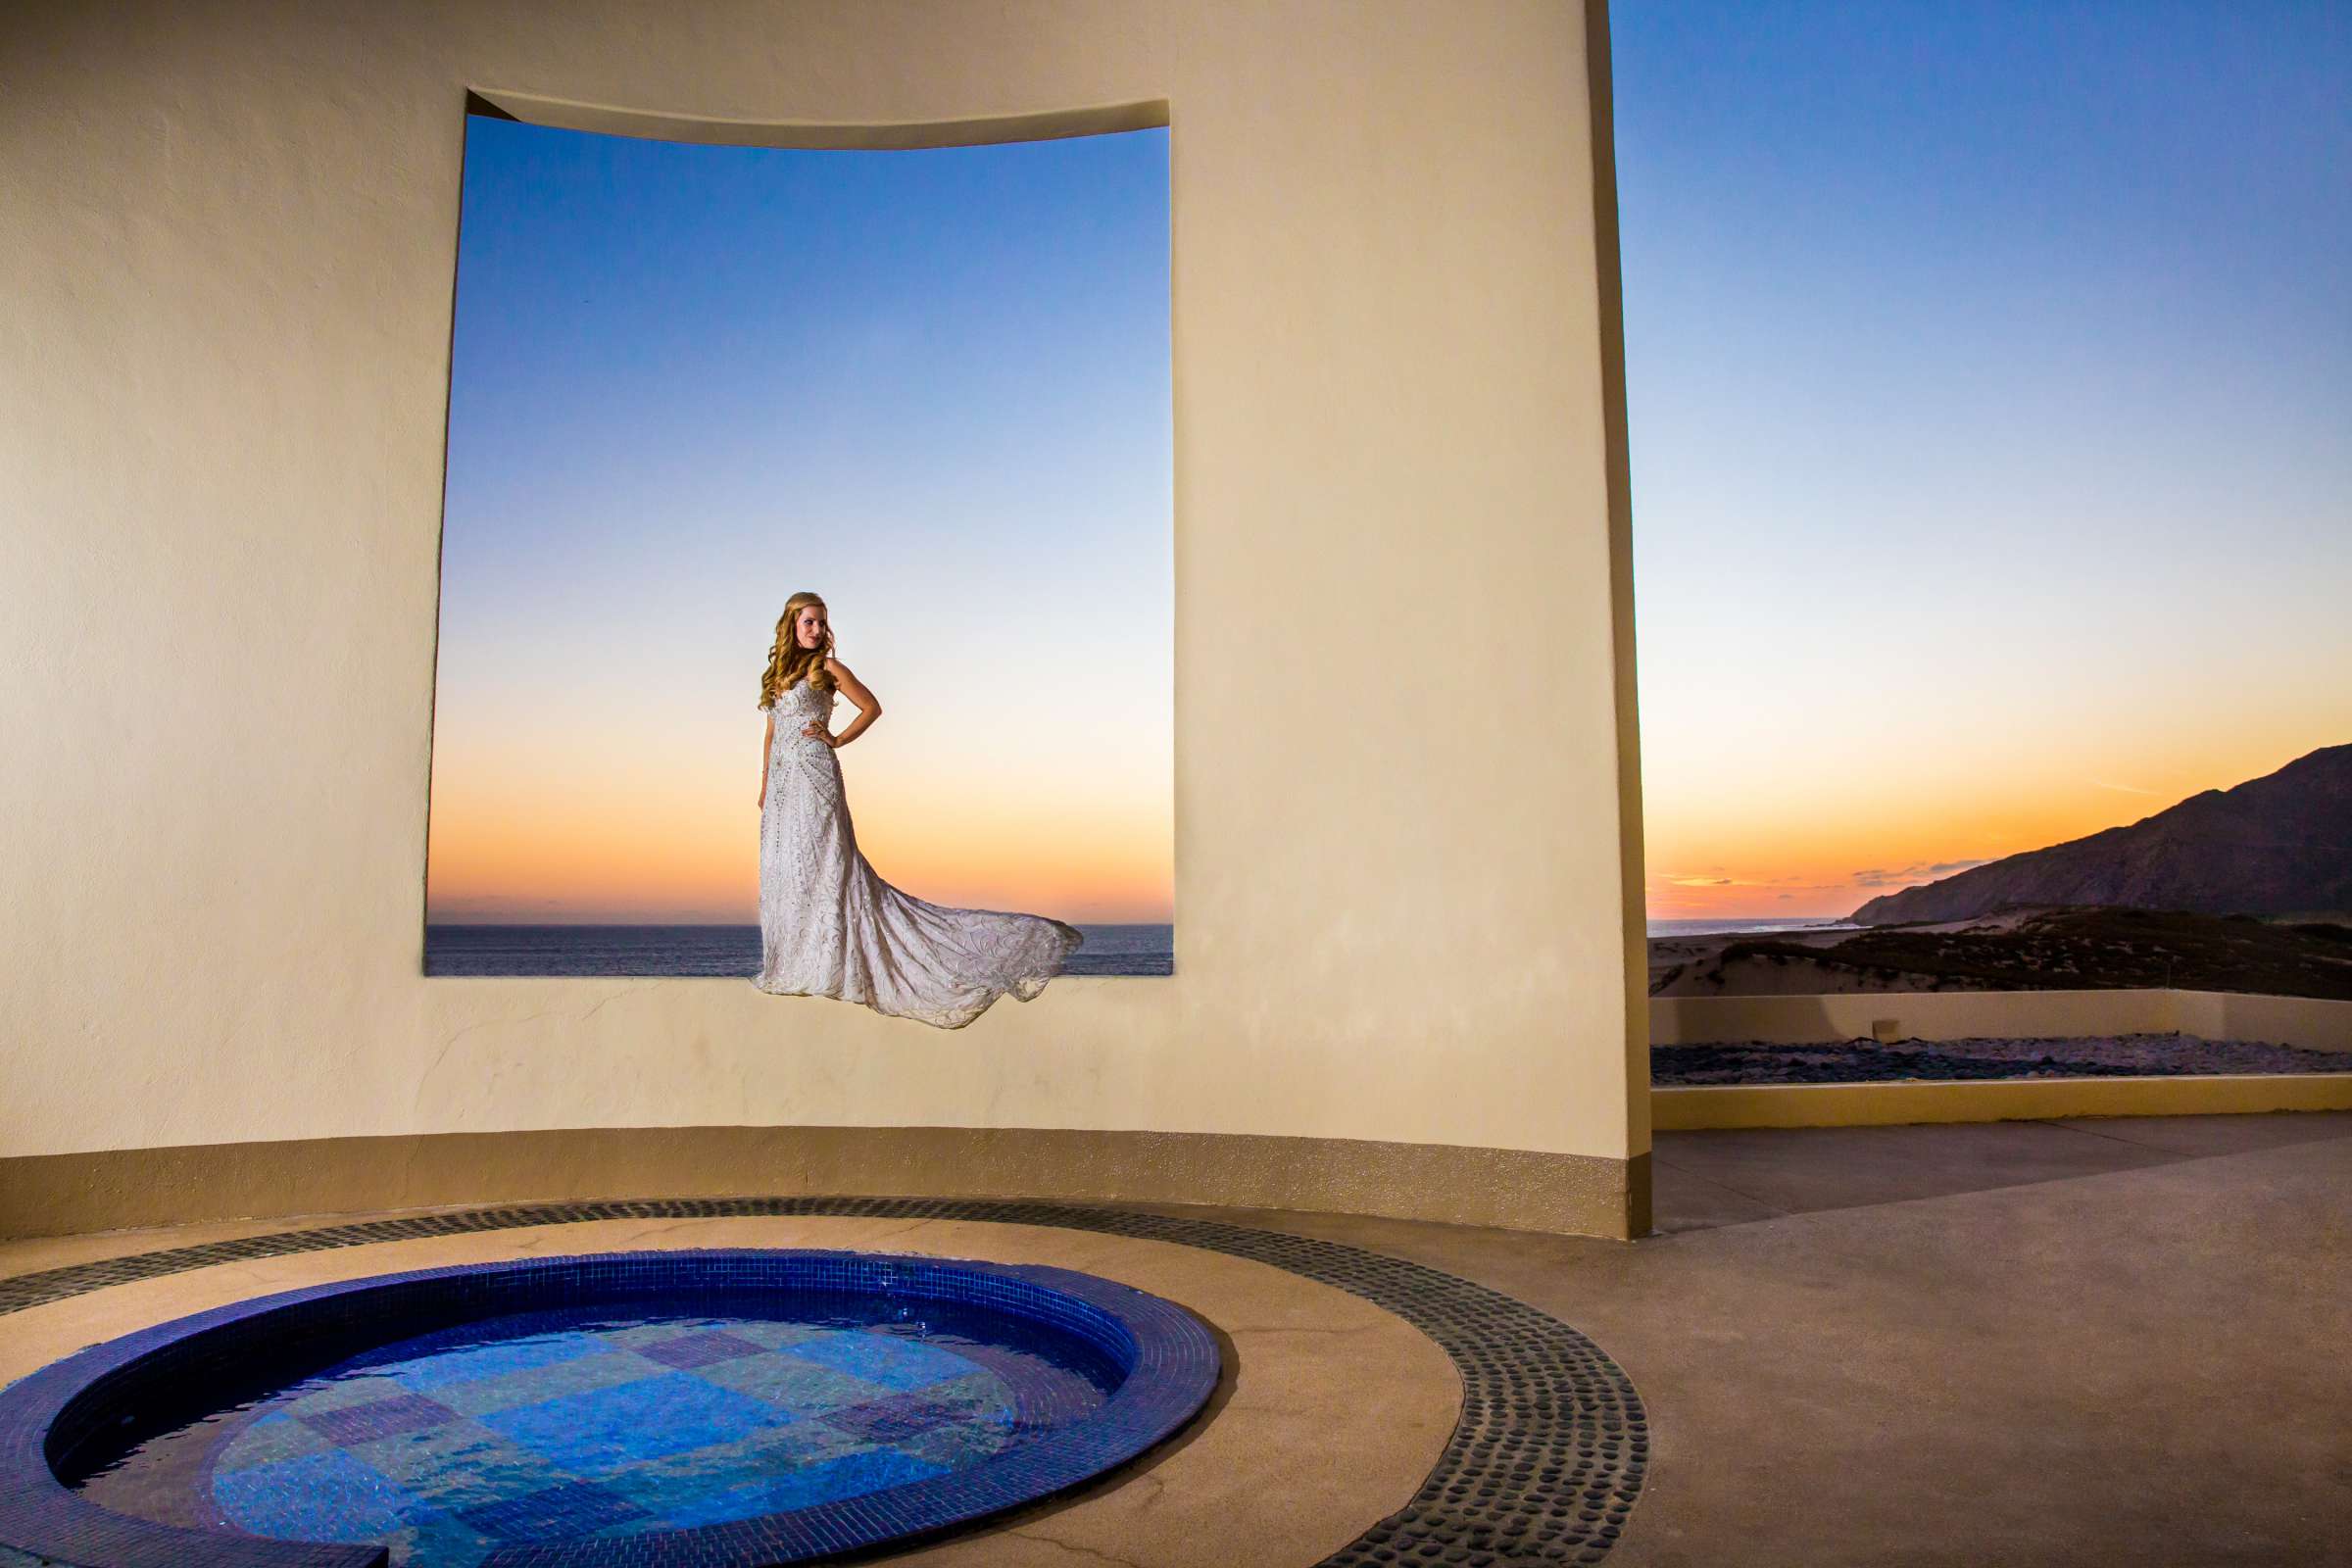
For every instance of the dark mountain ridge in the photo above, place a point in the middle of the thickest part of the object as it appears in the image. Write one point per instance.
(2277, 845)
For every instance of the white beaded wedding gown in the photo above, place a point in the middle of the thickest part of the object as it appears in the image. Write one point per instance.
(829, 926)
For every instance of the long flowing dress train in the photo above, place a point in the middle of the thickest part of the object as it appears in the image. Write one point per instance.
(831, 926)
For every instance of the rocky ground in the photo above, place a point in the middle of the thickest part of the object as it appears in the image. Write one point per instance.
(2089, 1057)
(2043, 948)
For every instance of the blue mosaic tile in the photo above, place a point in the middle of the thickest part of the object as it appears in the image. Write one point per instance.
(899, 1417)
(732, 1442)
(353, 1424)
(461, 1465)
(630, 1422)
(426, 1373)
(274, 1437)
(892, 1362)
(574, 1509)
(793, 1383)
(868, 1470)
(576, 1374)
(318, 1495)
(692, 1350)
(662, 1484)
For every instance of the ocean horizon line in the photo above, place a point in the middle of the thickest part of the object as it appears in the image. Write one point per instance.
(684, 926)
(712, 949)
(1675, 926)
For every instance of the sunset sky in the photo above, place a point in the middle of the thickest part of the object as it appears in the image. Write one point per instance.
(1989, 370)
(1989, 381)
(688, 382)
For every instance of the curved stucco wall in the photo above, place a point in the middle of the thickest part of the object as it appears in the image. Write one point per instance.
(227, 256)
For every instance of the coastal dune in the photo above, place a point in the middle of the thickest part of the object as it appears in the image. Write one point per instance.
(2029, 947)
(1698, 966)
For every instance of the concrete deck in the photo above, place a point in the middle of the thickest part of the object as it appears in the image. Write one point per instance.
(2046, 1342)
(2113, 1341)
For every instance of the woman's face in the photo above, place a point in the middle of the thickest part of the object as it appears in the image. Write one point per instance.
(809, 625)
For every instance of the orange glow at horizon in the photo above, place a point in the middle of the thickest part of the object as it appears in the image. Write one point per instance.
(1818, 839)
(657, 836)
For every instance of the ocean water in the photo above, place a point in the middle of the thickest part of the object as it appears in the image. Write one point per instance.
(722, 951)
(712, 951)
(1716, 925)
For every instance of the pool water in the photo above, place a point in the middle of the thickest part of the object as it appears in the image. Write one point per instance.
(607, 1421)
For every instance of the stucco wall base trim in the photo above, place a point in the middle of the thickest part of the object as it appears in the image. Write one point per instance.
(1584, 1195)
(1698, 1107)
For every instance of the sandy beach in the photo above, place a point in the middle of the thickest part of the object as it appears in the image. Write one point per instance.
(1695, 966)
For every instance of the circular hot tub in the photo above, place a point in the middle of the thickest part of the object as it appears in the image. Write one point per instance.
(711, 1406)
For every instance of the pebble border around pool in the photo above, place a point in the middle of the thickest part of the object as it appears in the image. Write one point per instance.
(1544, 1467)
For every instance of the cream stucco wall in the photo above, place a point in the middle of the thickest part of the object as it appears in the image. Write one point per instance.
(1405, 910)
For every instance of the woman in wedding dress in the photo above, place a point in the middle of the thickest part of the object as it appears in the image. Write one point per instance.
(829, 926)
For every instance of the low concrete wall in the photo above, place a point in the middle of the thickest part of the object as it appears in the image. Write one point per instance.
(2311, 1022)
(1701, 1107)
(2306, 1021)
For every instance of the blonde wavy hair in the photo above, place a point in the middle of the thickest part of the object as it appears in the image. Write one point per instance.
(788, 662)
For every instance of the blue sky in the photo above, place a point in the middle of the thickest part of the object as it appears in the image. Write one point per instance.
(1989, 385)
(1989, 375)
(688, 382)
